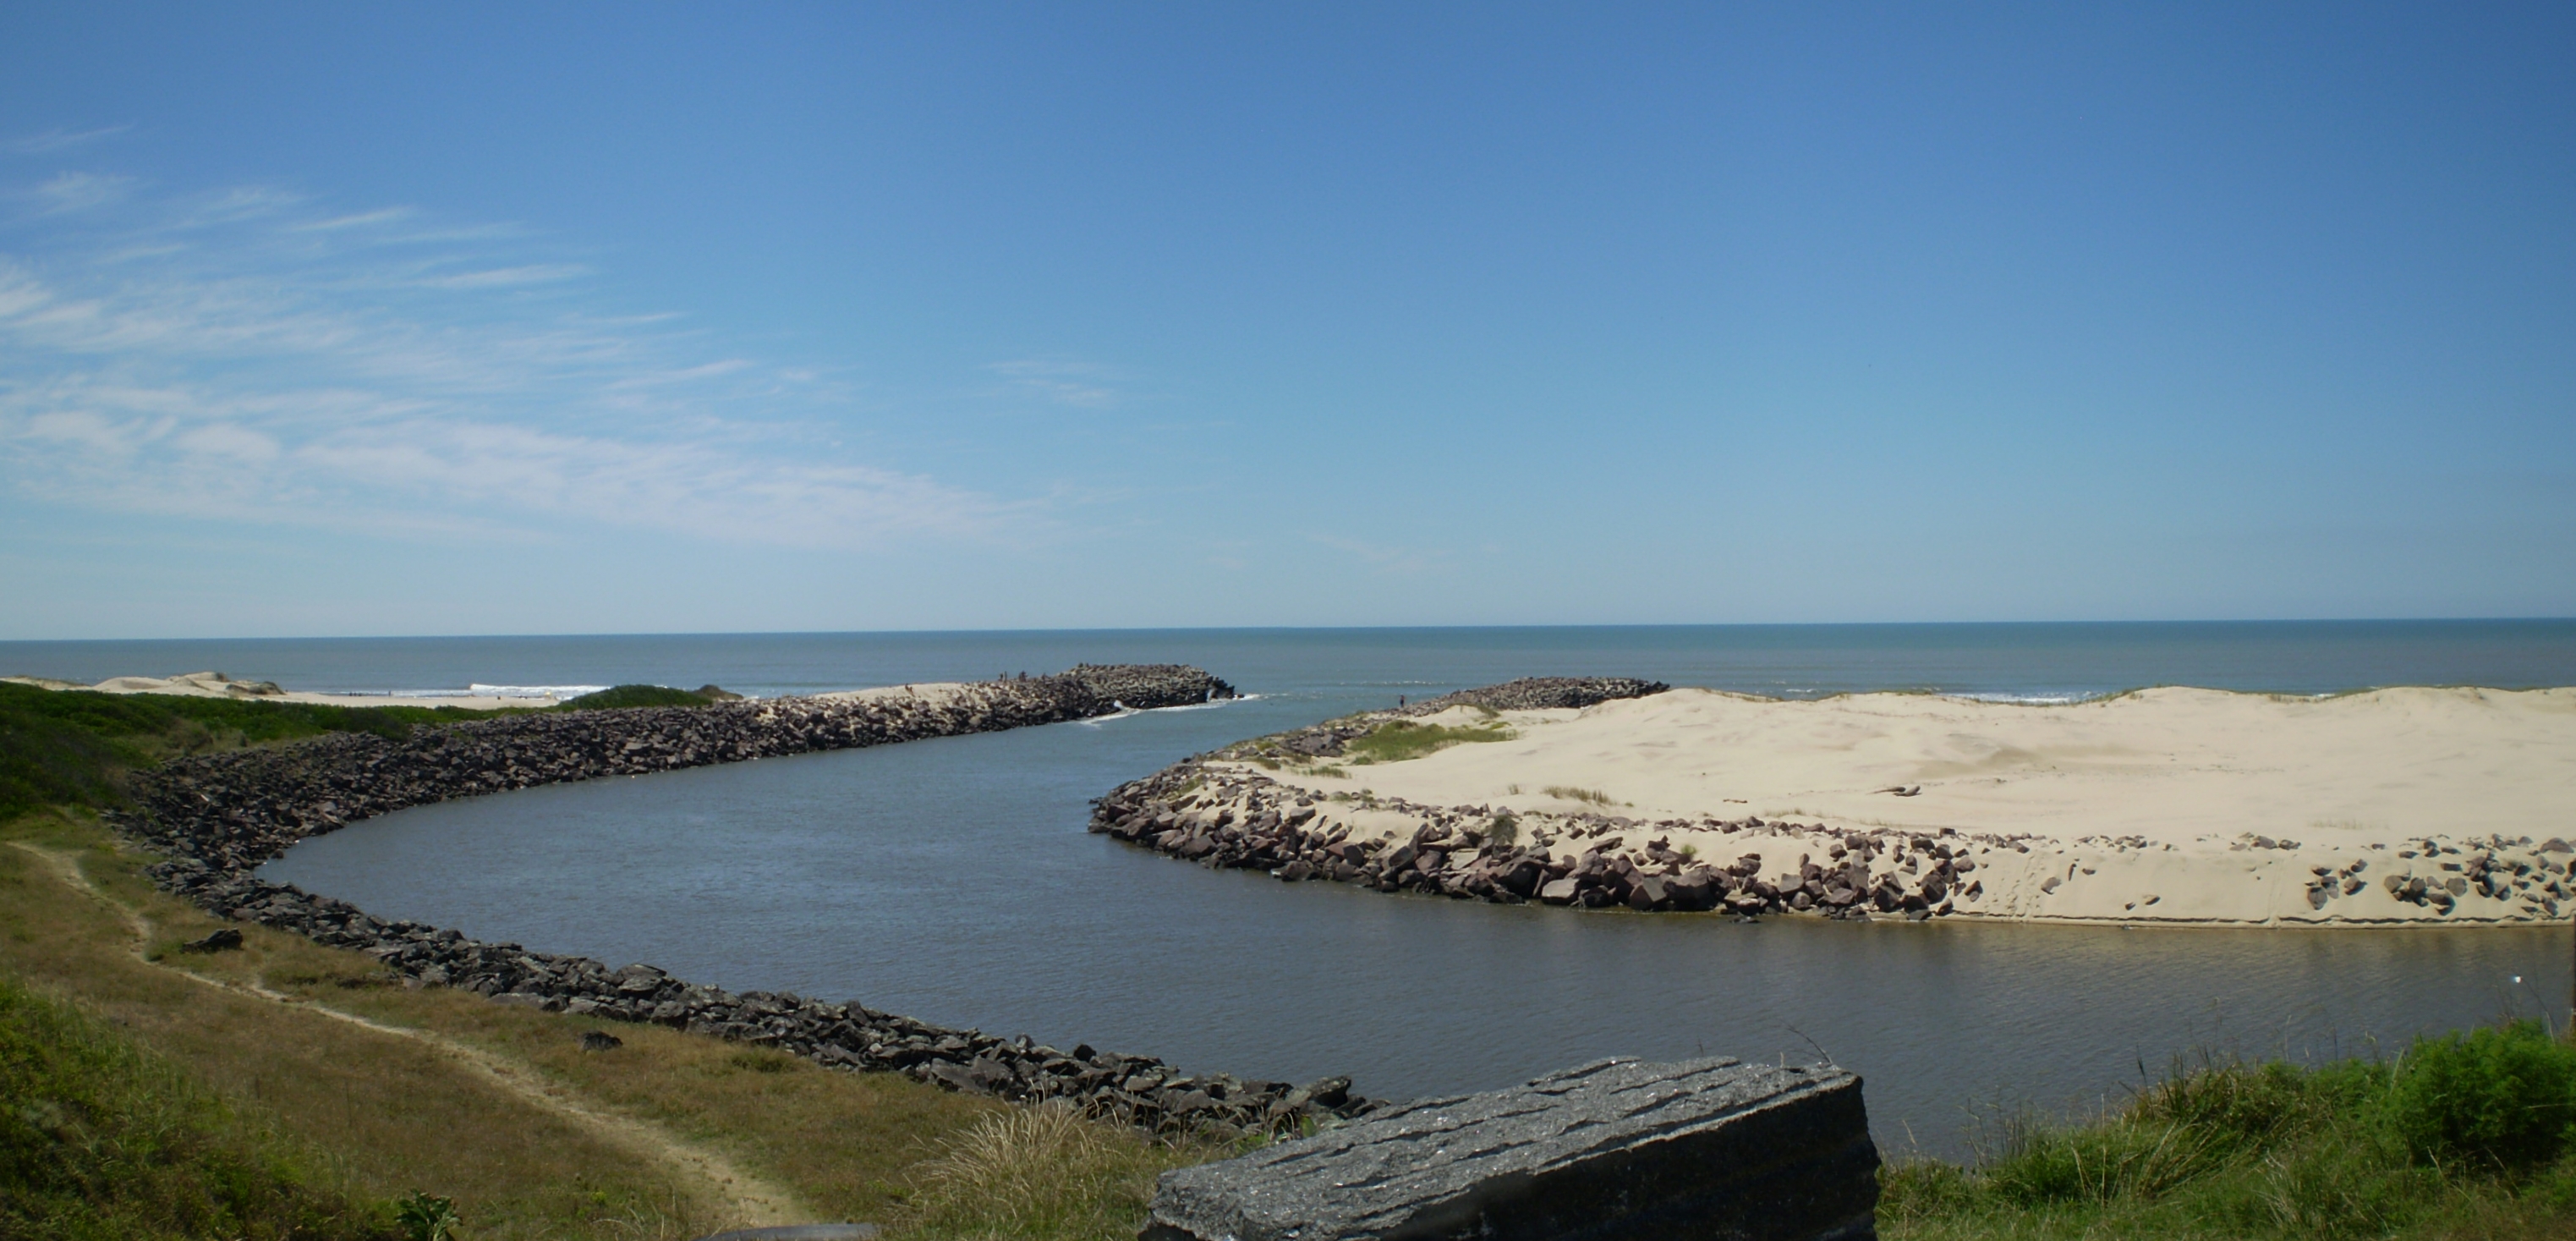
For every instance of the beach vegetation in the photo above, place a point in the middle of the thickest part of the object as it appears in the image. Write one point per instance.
(1570, 793)
(1044, 1172)
(1503, 831)
(1398, 740)
(99, 1138)
(68, 747)
(2469, 1134)
(620, 696)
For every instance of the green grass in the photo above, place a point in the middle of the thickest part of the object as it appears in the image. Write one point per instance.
(1570, 793)
(2469, 1135)
(67, 747)
(646, 696)
(1398, 740)
(101, 1139)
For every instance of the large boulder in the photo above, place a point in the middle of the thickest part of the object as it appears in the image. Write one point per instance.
(1618, 1149)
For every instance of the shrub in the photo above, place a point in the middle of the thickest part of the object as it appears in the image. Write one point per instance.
(2504, 1096)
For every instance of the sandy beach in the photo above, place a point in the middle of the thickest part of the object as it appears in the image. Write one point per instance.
(217, 685)
(2405, 805)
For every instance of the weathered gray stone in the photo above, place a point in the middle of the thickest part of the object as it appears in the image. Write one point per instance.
(1618, 1149)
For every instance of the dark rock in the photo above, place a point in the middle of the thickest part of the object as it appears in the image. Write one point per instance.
(1703, 1149)
(226, 939)
(600, 1040)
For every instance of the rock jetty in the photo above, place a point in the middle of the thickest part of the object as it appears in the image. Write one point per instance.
(218, 817)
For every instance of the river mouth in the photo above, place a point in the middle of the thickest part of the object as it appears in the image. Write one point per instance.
(952, 880)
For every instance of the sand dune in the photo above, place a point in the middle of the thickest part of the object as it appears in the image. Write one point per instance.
(2164, 805)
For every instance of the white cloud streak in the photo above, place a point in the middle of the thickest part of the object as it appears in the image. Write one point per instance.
(242, 356)
(1083, 385)
(53, 140)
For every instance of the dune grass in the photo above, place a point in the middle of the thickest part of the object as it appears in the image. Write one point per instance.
(1571, 793)
(68, 747)
(1044, 1172)
(1398, 740)
(2471, 1135)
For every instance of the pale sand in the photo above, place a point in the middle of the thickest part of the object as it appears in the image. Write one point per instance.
(2164, 805)
(217, 685)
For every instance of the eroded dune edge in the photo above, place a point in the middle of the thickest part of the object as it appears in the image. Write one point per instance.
(2395, 807)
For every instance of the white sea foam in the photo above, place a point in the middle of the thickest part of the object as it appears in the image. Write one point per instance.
(487, 691)
(1125, 711)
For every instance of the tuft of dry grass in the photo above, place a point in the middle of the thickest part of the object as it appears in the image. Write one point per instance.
(1570, 793)
(1044, 1171)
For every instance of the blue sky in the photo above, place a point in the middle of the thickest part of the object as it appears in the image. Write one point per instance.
(510, 319)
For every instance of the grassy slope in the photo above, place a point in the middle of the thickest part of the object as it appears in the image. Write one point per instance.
(285, 1116)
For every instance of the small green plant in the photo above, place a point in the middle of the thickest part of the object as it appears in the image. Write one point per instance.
(1398, 740)
(1690, 853)
(1503, 832)
(426, 1217)
(1570, 793)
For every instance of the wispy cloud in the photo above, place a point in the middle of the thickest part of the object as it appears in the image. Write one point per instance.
(1403, 561)
(1063, 381)
(74, 191)
(505, 277)
(53, 140)
(244, 355)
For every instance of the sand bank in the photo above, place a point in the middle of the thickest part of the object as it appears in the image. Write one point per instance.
(2168, 805)
(217, 685)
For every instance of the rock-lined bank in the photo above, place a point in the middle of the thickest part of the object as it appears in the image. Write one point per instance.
(1245, 820)
(1317, 819)
(218, 817)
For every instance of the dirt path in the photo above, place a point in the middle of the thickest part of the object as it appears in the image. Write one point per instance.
(748, 1200)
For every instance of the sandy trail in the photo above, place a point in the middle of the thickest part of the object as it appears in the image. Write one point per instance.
(744, 1198)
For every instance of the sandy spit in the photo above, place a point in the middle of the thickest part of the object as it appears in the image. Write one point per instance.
(2396, 806)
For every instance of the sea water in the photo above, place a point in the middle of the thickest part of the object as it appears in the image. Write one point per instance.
(952, 879)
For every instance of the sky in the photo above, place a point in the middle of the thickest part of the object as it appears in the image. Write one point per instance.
(455, 319)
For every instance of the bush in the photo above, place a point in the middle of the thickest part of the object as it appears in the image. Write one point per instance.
(2500, 1096)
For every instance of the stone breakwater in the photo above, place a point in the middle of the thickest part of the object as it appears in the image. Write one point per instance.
(218, 817)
